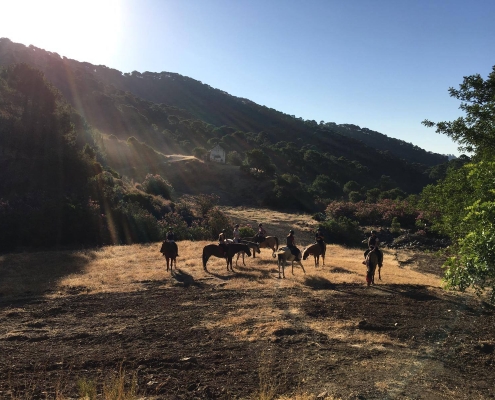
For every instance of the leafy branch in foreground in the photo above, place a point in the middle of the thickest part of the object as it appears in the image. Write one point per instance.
(463, 204)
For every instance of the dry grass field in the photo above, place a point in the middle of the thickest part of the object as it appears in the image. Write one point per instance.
(71, 320)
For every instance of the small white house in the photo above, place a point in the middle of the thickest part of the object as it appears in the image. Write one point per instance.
(217, 154)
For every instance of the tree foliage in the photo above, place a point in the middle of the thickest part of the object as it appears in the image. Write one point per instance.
(462, 205)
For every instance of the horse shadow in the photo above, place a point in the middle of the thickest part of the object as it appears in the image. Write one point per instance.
(184, 278)
(264, 273)
(319, 283)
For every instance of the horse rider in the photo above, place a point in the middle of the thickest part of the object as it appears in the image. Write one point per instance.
(222, 241)
(291, 244)
(320, 239)
(170, 237)
(261, 235)
(236, 234)
(373, 245)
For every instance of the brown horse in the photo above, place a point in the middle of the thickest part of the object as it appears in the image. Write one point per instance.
(217, 251)
(252, 245)
(316, 251)
(270, 242)
(284, 254)
(170, 251)
(371, 264)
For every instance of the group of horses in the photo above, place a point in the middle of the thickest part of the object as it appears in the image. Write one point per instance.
(251, 246)
(248, 246)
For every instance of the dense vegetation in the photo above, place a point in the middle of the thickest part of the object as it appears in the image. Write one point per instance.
(107, 178)
(54, 192)
(169, 113)
(462, 205)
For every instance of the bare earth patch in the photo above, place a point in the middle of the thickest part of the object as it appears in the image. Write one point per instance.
(191, 334)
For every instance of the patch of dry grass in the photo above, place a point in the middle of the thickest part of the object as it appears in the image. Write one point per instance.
(128, 268)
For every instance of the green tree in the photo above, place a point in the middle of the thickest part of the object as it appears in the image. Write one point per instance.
(463, 204)
(351, 186)
(475, 132)
(326, 187)
(199, 152)
(259, 163)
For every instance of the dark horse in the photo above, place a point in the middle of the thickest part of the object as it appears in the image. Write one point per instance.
(217, 251)
(170, 251)
(371, 264)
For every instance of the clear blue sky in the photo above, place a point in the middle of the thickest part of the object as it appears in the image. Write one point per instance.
(381, 64)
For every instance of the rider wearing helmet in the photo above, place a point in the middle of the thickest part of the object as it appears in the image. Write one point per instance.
(170, 237)
(320, 239)
(373, 244)
(261, 235)
(291, 244)
(236, 234)
(221, 241)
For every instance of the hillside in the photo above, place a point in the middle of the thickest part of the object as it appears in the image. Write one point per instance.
(174, 114)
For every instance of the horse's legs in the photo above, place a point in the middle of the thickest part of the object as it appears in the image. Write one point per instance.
(379, 273)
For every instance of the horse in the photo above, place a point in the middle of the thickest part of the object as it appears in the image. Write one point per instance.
(371, 264)
(270, 242)
(217, 251)
(252, 245)
(170, 251)
(316, 251)
(284, 254)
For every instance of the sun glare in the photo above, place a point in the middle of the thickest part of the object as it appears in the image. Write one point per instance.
(83, 30)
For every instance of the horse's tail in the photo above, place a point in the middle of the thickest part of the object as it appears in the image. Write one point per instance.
(276, 243)
(205, 260)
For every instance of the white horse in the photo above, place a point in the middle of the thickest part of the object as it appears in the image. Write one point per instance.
(284, 254)
(252, 245)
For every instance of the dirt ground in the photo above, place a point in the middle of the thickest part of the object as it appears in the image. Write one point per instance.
(245, 335)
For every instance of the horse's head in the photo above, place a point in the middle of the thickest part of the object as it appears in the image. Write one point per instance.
(257, 248)
(247, 251)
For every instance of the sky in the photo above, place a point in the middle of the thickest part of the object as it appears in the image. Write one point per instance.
(381, 64)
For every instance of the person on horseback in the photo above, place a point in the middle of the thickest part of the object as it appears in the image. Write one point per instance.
(170, 237)
(320, 239)
(373, 243)
(236, 234)
(291, 244)
(261, 235)
(221, 241)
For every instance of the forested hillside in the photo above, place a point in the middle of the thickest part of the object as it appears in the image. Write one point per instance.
(90, 158)
(175, 114)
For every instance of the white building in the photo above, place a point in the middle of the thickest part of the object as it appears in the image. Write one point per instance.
(217, 154)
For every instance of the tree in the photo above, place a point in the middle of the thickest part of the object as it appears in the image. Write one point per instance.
(259, 164)
(351, 186)
(462, 205)
(476, 131)
(199, 152)
(326, 187)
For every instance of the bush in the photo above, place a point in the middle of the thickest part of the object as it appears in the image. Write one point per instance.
(155, 184)
(343, 231)
(247, 231)
(215, 221)
(395, 225)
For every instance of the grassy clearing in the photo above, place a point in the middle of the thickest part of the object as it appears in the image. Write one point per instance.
(129, 268)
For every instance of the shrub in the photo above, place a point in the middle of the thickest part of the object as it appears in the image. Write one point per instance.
(247, 231)
(155, 184)
(343, 231)
(395, 225)
(215, 221)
